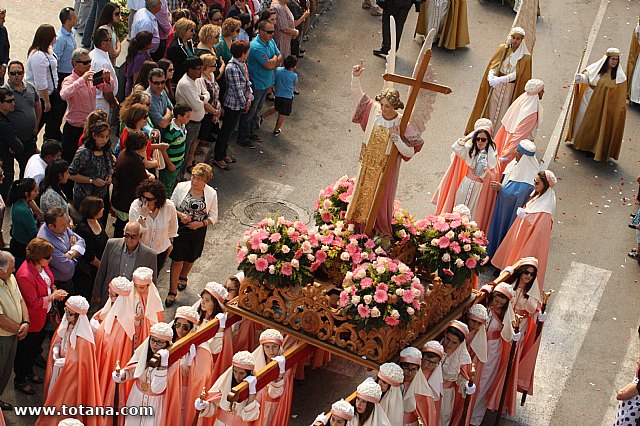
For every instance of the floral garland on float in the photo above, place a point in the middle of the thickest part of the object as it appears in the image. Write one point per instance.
(331, 206)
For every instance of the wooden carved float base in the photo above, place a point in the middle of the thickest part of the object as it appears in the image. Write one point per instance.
(310, 313)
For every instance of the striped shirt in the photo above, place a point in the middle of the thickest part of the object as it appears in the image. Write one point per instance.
(175, 136)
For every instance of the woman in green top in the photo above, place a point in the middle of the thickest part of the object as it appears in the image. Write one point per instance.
(230, 30)
(23, 224)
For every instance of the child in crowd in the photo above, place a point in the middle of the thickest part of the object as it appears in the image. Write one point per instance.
(286, 79)
(175, 136)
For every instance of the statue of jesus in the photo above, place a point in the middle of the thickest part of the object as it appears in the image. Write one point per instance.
(378, 172)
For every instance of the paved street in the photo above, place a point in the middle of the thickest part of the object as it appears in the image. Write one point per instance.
(590, 339)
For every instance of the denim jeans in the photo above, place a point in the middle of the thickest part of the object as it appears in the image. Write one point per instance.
(249, 121)
(92, 18)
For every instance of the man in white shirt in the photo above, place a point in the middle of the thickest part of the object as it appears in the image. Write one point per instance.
(134, 6)
(37, 164)
(145, 20)
(100, 61)
(190, 92)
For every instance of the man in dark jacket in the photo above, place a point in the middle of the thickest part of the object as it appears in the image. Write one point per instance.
(10, 145)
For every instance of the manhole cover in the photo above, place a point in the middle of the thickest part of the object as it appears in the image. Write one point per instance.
(250, 212)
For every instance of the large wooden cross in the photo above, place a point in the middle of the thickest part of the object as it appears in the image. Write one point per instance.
(415, 83)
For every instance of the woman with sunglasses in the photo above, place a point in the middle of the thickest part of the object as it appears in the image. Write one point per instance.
(167, 66)
(36, 283)
(157, 216)
(530, 234)
(230, 31)
(469, 176)
(72, 369)
(109, 18)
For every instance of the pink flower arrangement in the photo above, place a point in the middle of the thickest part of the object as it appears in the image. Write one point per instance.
(333, 201)
(379, 293)
(403, 224)
(276, 251)
(451, 245)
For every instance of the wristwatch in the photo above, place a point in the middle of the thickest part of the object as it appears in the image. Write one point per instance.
(90, 181)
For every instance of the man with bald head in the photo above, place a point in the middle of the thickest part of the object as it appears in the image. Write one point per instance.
(121, 257)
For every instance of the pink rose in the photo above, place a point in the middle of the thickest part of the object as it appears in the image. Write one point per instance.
(364, 311)
(443, 242)
(455, 246)
(287, 269)
(261, 264)
(321, 256)
(391, 321)
(270, 258)
(298, 254)
(380, 296)
(366, 282)
(383, 287)
(393, 267)
(344, 298)
(274, 238)
(326, 218)
(471, 263)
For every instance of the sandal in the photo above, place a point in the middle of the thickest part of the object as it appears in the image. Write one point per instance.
(169, 302)
(182, 284)
(35, 379)
(24, 388)
(634, 255)
(221, 164)
(230, 159)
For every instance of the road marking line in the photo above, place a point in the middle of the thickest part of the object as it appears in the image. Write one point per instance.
(625, 375)
(554, 140)
(562, 337)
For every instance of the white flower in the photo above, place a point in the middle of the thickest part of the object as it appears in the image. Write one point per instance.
(311, 257)
(364, 255)
(252, 258)
(340, 224)
(367, 299)
(263, 248)
(246, 238)
(410, 310)
(440, 219)
(270, 222)
(324, 227)
(403, 269)
(351, 227)
(473, 224)
(381, 269)
(281, 220)
(446, 257)
(349, 198)
(434, 242)
(327, 203)
(450, 235)
(244, 250)
(348, 277)
(306, 247)
(375, 312)
(353, 242)
(272, 269)
(379, 250)
(285, 249)
(295, 263)
(478, 234)
(482, 249)
(459, 263)
(464, 220)
(395, 314)
(402, 233)
(355, 299)
(466, 247)
(290, 231)
(361, 273)
(400, 291)
(345, 256)
(416, 292)
(325, 248)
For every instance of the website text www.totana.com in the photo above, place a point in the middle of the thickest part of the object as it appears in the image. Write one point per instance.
(81, 410)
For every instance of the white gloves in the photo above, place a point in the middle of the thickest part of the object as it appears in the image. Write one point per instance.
(95, 324)
(470, 390)
(200, 404)
(56, 353)
(192, 354)
(321, 418)
(542, 317)
(516, 337)
(509, 270)
(282, 361)
(492, 79)
(520, 212)
(222, 319)
(59, 362)
(252, 381)
(118, 378)
(164, 357)
(578, 78)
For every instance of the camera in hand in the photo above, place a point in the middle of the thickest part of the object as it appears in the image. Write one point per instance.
(98, 78)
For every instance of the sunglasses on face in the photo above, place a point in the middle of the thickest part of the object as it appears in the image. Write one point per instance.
(156, 342)
(479, 139)
(185, 327)
(9, 101)
(170, 69)
(269, 31)
(16, 72)
(161, 82)
(84, 62)
(47, 257)
(530, 273)
(144, 197)
(410, 369)
(131, 236)
(116, 13)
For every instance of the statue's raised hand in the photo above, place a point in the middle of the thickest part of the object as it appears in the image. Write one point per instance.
(358, 69)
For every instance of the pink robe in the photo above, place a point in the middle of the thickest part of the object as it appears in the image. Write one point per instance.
(479, 364)
(507, 143)
(529, 356)
(275, 402)
(528, 236)
(245, 339)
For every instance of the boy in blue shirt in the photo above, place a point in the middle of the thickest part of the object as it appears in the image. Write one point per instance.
(286, 79)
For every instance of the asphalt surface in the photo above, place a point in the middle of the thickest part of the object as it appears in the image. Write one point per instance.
(591, 340)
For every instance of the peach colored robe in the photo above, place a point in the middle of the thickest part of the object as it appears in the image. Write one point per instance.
(528, 236)
(77, 383)
(507, 143)
(245, 338)
(479, 365)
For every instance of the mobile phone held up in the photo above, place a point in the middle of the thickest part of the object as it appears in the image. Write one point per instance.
(98, 78)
